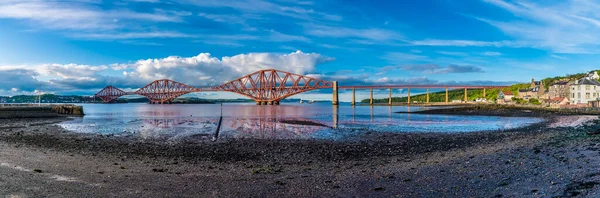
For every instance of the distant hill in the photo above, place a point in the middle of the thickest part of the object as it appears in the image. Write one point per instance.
(456, 94)
(46, 98)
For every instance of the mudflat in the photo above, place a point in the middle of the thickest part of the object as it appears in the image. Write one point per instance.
(553, 158)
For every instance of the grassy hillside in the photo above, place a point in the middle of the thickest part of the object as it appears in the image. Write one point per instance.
(568, 77)
(457, 94)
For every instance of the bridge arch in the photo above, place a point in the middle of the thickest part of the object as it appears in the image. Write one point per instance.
(271, 86)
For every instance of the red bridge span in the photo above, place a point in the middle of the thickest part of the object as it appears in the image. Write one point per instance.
(266, 87)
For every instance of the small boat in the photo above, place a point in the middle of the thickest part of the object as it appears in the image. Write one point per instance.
(311, 101)
(301, 100)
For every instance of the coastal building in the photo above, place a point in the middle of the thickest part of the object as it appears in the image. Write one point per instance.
(593, 75)
(558, 101)
(559, 89)
(505, 96)
(585, 89)
(536, 90)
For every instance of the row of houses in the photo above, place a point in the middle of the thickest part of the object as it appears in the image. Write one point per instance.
(564, 92)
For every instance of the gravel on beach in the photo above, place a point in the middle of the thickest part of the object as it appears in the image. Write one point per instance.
(38, 158)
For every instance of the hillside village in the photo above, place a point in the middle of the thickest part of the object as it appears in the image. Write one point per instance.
(572, 91)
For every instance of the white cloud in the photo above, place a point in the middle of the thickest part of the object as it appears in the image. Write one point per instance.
(453, 53)
(280, 37)
(560, 27)
(75, 15)
(69, 71)
(205, 69)
(19, 80)
(373, 35)
(558, 57)
(492, 54)
(463, 43)
(400, 57)
(262, 7)
(200, 70)
(131, 35)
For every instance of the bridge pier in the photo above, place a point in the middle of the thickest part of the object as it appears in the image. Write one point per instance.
(427, 95)
(335, 100)
(353, 98)
(276, 102)
(257, 102)
(335, 116)
(390, 98)
(270, 103)
(371, 98)
(408, 96)
(483, 92)
(446, 95)
(466, 94)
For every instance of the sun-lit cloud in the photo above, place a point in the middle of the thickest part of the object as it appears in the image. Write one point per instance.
(201, 70)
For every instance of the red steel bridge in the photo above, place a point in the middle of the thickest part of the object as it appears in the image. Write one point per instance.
(265, 87)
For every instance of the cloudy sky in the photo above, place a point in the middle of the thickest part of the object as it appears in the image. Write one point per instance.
(78, 47)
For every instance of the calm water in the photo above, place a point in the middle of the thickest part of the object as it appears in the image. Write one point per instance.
(199, 121)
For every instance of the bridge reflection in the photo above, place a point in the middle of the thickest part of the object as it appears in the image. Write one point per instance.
(266, 123)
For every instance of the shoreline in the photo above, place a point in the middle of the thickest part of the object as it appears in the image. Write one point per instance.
(376, 164)
(502, 110)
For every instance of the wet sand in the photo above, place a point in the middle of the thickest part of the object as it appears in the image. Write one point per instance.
(38, 158)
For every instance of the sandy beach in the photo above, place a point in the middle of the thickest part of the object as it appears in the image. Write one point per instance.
(553, 158)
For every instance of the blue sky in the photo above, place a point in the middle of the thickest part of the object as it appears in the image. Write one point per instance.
(78, 47)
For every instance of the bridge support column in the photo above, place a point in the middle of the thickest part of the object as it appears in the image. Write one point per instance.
(371, 98)
(483, 92)
(446, 95)
(335, 100)
(353, 98)
(390, 98)
(257, 102)
(264, 103)
(335, 116)
(276, 102)
(465, 94)
(270, 103)
(408, 96)
(427, 95)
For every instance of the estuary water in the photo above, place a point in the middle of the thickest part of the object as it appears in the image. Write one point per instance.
(285, 121)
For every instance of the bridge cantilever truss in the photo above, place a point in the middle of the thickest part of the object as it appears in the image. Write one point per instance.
(271, 86)
(264, 86)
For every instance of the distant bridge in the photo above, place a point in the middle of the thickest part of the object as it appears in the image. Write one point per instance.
(266, 87)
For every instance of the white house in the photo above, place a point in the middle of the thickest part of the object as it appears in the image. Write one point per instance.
(585, 89)
(593, 75)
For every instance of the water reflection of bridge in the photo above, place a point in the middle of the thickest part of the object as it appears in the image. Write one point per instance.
(267, 124)
(249, 126)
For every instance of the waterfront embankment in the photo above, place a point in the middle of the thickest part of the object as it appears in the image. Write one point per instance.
(42, 111)
(552, 158)
(508, 111)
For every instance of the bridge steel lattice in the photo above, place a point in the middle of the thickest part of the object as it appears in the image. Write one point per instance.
(268, 86)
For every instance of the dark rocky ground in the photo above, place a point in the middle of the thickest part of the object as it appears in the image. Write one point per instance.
(41, 159)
